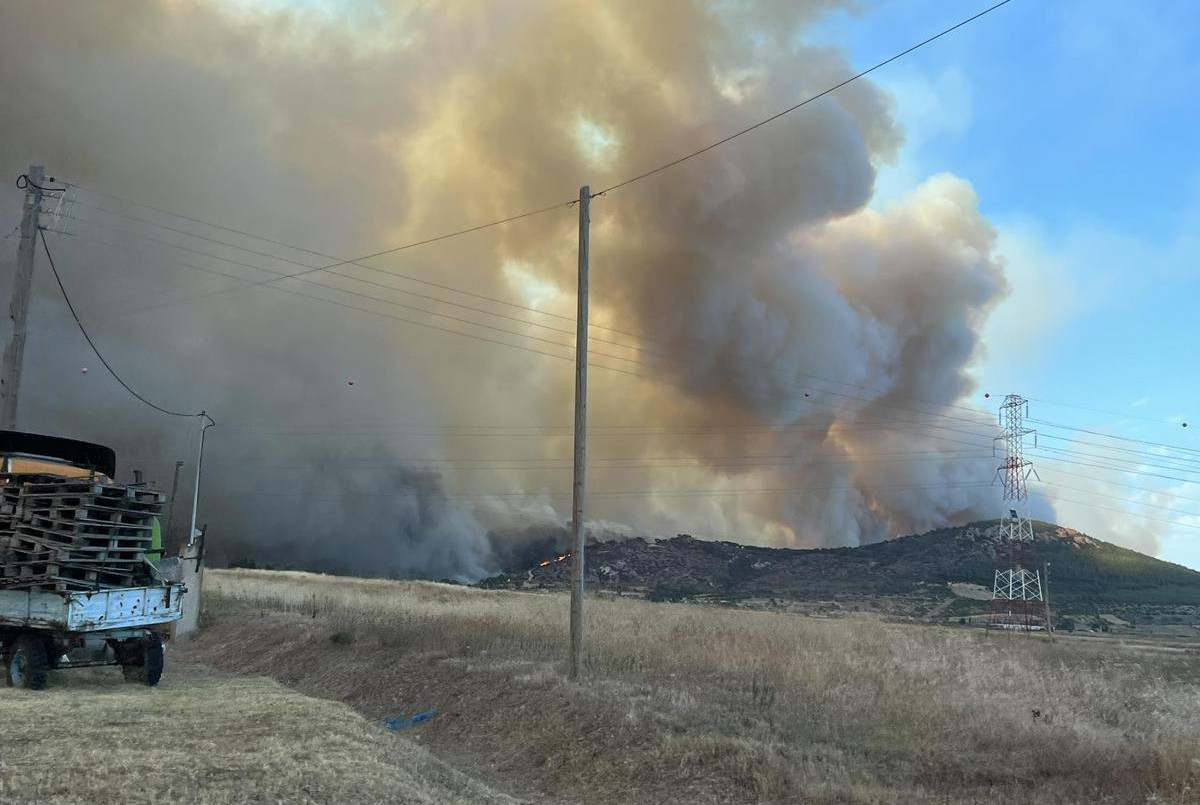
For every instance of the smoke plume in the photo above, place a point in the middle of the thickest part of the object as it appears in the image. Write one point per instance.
(774, 360)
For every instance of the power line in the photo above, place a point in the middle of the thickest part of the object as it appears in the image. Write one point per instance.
(790, 381)
(392, 250)
(681, 462)
(564, 204)
(163, 211)
(1109, 482)
(428, 324)
(1118, 498)
(356, 264)
(1126, 512)
(642, 347)
(186, 233)
(640, 493)
(1140, 455)
(1122, 415)
(805, 102)
(1133, 466)
(431, 326)
(1122, 470)
(339, 289)
(569, 202)
(534, 430)
(92, 344)
(1118, 438)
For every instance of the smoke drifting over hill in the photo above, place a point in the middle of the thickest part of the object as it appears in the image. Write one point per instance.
(760, 328)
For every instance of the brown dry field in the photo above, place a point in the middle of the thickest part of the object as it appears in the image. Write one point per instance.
(208, 738)
(697, 704)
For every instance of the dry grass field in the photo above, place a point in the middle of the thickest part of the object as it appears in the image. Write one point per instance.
(203, 737)
(685, 703)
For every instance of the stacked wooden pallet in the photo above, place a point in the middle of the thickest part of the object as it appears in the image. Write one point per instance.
(10, 490)
(75, 534)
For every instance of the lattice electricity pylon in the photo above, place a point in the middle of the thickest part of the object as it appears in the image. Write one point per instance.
(1017, 600)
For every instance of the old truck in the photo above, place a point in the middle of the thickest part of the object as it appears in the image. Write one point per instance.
(78, 579)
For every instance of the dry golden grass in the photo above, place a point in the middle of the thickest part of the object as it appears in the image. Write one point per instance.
(684, 703)
(206, 738)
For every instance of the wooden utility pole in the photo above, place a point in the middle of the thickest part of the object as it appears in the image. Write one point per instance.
(14, 354)
(580, 485)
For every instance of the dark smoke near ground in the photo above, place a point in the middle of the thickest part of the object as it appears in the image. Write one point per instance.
(774, 360)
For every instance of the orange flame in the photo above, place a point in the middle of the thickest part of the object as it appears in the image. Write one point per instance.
(562, 558)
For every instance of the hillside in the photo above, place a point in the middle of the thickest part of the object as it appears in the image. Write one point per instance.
(908, 576)
(708, 705)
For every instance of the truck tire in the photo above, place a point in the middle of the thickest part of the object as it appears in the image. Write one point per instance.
(144, 663)
(26, 665)
(54, 654)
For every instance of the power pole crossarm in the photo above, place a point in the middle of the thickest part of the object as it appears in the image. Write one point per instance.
(14, 353)
(580, 485)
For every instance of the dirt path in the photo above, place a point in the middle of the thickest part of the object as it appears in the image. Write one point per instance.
(209, 738)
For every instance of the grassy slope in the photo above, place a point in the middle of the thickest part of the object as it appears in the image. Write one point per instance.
(705, 704)
(205, 738)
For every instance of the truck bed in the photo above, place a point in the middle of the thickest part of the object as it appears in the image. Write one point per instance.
(91, 611)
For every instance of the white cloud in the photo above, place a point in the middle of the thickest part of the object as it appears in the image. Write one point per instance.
(928, 109)
(1043, 296)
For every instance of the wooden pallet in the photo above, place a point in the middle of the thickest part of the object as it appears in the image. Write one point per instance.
(45, 572)
(82, 528)
(26, 550)
(68, 534)
(94, 489)
(94, 514)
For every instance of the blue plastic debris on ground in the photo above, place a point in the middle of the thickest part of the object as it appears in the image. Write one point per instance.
(395, 724)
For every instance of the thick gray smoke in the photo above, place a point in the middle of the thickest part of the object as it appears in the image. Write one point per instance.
(761, 335)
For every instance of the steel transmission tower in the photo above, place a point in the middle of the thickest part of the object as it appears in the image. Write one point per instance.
(1017, 600)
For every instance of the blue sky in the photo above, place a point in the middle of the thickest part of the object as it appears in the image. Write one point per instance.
(1077, 124)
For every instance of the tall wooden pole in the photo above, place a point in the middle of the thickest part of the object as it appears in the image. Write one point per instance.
(14, 354)
(580, 486)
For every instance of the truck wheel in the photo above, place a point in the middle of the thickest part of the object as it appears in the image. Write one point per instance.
(143, 661)
(54, 654)
(27, 663)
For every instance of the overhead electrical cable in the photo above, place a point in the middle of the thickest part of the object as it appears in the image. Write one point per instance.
(388, 272)
(1125, 453)
(680, 462)
(787, 377)
(693, 154)
(70, 306)
(570, 202)
(1116, 497)
(1121, 470)
(640, 493)
(1181, 448)
(1109, 482)
(1133, 466)
(640, 347)
(1122, 415)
